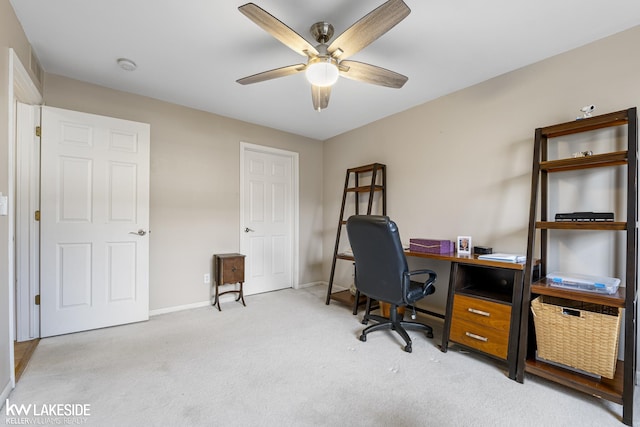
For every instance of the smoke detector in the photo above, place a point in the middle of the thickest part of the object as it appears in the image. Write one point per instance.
(127, 64)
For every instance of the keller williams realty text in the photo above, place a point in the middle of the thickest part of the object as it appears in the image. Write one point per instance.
(48, 410)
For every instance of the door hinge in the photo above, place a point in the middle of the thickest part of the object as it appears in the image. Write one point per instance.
(37, 215)
(37, 299)
(38, 131)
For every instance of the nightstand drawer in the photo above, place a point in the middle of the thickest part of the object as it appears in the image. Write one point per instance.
(481, 312)
(229, 268)
(233, 270)
(488, 340)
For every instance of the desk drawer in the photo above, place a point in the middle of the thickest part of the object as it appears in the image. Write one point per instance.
(482, 312)
(483, 338)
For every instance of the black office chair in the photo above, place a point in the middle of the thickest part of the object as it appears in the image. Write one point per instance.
(382, 274)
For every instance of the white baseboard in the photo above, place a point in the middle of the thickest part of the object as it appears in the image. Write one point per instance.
(336, 287)
(5, 394)
(179, 308)
(224, 298)
(308, 285)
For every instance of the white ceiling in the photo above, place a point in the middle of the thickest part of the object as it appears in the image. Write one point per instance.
(191, 52)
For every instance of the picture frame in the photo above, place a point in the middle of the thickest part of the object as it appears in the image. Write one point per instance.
(463, 245)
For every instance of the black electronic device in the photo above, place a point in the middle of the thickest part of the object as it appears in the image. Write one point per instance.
(585, 216)
(482, 250)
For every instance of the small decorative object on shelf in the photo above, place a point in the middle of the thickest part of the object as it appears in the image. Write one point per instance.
(582, 154)
(587, 110)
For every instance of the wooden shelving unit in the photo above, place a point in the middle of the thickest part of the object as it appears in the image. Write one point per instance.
(619, 389)
(376, 175)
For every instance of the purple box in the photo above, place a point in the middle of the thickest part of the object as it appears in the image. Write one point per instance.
(431, 246)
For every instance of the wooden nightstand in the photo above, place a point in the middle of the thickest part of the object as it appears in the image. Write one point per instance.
(228, 269)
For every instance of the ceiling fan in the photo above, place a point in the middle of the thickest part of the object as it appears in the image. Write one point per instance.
(326, 62)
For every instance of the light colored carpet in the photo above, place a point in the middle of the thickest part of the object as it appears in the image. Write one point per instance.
(287, 359)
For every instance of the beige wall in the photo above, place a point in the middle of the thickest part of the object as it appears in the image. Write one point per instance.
(195, 185)
(11, 36)
(457, 165)
(461, 164)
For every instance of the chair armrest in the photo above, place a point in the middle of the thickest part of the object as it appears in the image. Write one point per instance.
(427, 287)
(431, 273)
(430, 280)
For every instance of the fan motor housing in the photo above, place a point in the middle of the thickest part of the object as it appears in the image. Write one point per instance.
(321, 31)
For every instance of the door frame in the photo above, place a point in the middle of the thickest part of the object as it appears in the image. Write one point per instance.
(27, 229)
(21, 87)
(294, 157)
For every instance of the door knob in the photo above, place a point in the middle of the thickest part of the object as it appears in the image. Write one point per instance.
(247, 229)
(140, 232)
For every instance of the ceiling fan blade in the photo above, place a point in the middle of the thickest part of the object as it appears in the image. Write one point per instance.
(371, 74)
(369, 28)
(278, 29)
(272, 74)
(320, 97)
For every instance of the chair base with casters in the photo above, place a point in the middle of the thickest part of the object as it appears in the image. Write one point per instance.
(394, 324)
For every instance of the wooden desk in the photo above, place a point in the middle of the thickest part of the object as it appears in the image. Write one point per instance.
(346, 297)
(484, 305)
(467, 259)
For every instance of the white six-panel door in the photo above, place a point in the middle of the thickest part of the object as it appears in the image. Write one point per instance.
(267, 219)
(94, 221)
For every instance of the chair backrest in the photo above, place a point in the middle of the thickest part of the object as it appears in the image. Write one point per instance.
(380, 261)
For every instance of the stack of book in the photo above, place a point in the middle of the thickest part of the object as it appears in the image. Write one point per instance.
(503, 257)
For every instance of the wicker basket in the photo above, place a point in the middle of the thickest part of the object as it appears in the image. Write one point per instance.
(579, 335)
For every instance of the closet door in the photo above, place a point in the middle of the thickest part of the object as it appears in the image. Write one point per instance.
(94, 221)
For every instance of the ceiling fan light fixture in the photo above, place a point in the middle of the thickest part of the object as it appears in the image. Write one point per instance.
(326, 62)
(322, 71)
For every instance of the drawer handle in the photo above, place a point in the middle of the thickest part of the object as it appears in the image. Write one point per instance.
(481, 313)
(476, 337)
(234, 269)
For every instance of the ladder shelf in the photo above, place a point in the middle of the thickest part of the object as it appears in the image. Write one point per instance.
(375, 173)
(620, 388)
